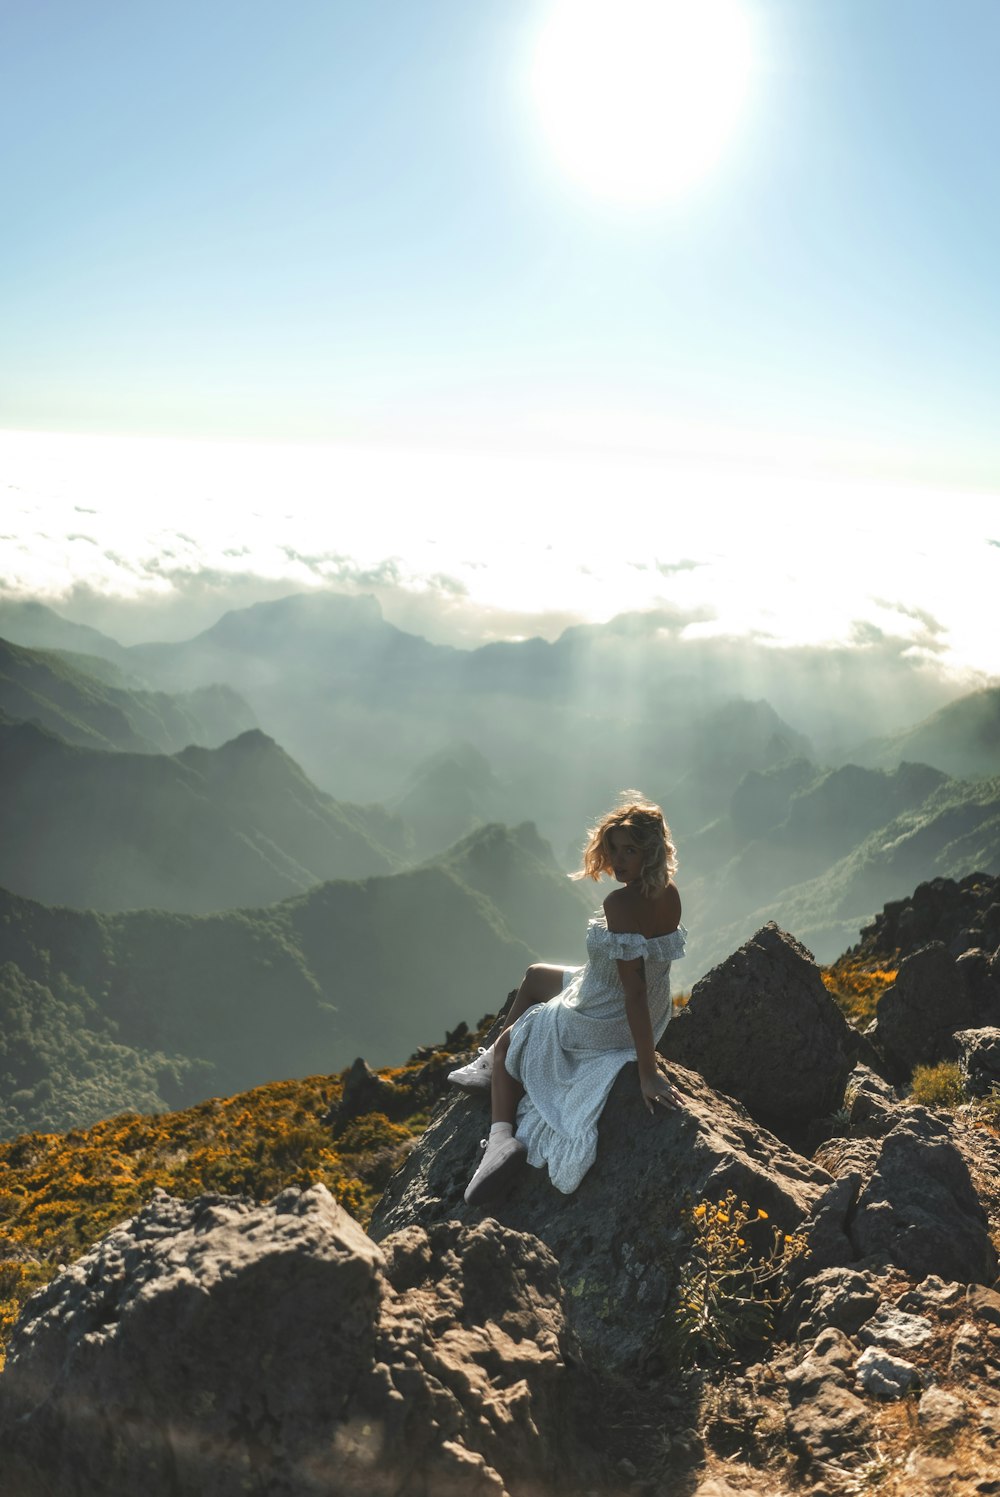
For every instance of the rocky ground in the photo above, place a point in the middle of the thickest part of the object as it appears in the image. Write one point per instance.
(786, 1287)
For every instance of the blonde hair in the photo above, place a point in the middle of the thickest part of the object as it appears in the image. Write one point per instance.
(651, 835)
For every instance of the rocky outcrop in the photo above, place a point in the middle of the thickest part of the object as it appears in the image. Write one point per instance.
(218, 1347)
(761, 1027)
(617, 1237)
(960, 913)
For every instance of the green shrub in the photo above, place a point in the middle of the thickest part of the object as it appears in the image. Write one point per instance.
(938, 1086)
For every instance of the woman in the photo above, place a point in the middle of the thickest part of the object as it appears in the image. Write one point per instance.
(570, 1031)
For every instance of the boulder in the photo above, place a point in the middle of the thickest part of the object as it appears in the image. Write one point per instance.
(917, 1017)
(618, 1236)
(216, 1346)
(979, 1059)
(762, 1028)
(918, 1208)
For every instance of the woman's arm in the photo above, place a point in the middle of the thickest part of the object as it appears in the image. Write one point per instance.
(654, 1087)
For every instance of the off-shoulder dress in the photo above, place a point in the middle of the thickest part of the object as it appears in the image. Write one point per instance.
(566, 1053)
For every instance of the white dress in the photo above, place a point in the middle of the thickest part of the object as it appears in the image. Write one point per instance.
(566, 1053)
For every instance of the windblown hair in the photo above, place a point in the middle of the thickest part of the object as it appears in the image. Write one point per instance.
(651, 835)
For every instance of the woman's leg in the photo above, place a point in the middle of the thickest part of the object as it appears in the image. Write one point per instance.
(539, 984)
(505, 1093)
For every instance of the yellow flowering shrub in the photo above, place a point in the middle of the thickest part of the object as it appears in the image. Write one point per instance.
(731, 1281)
(856, 989)
(61, 1192)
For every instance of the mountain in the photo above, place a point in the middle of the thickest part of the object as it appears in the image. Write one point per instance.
(41, 628)
(89, 701)
(514, 869)
(963, 738)
(364, 968)
(446, 796)
(953, 832)
(205, 829)
(565, 724)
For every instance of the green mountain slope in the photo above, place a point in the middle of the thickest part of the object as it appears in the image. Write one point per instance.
(205, 829)
(954, 832)
(350, 968)
(90, 702)
(62, 1063)
(963, 738)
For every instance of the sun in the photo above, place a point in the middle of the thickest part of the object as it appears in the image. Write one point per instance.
(637, 99)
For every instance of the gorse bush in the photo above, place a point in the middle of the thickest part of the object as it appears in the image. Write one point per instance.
(856, 989)
(61, 1192)
(731, 1282)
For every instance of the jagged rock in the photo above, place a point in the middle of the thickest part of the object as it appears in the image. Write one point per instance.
(880, 1373)
(918, 1207)
(825, 1230)
(959, 914)
(896, 1330)
(840, 1297)
(215, 1346)
(617, 1237)
(979, 1059)
(917, 1017)
(827, 1421)
(762, 1028)
(364, 1091)
(872, 1102)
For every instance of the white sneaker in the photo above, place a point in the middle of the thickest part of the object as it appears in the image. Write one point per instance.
(501, 1161)
(477, 1074)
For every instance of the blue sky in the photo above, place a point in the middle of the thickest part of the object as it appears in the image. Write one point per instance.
(342, 223)
(338, 219)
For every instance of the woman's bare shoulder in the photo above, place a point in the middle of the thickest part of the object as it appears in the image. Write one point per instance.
(625, 910)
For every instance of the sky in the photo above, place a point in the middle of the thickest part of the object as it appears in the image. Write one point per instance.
(521, 311)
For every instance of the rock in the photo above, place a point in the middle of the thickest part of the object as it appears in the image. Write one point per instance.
(827, 1421)
(940, 1413)
(983, 1303)
(872, 1101)
(215, 1346)
(761, 1027)
(918, 1208)
(893, 1328)
(966, 1351)
(932, 1294)
(364, 1091)
(880, 1373)
(941, 910)
(617, 1237)
(977, 971)
(828, 1244)
(917, 1017)
(979, 1059)
(838, 1297)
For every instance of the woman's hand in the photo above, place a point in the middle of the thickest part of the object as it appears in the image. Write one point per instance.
(657, 1091)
